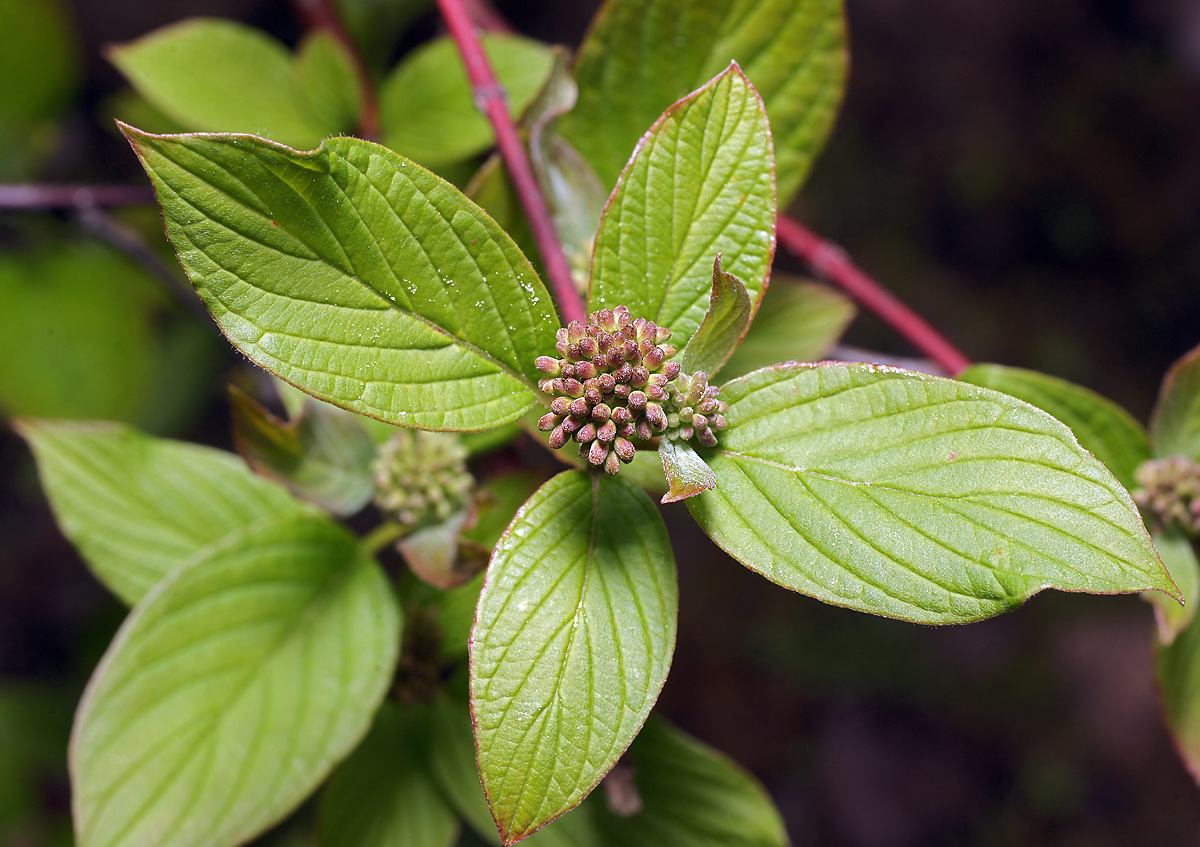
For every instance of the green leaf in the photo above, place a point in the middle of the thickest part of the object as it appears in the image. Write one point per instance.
(327, 83)
(796, 322)
(384, 795)
(138, 507)
(233, 688)
(1110, 433)
(1175, 424)
(1179, 556)
(692, 796)
(1178, 671)
(357, 276)
(701, 182)
(39, 67)
(574, 195)
(642, 55)
(426, 107)
(915, 497)
(322, 455)
(572, 640)
(724, 324)
(216, 75)
(77, 336)
(452, 762)
(686, 472)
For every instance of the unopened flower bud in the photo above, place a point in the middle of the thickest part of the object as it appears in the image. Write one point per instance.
(547, 422)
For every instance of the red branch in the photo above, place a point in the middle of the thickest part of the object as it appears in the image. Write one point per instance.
(43, 196)
(492, 101)
(320, 15)
(829, 261)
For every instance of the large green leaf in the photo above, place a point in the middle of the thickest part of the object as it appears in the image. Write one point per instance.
(797, 322)
(452, 762)
(384, 794)
(233, 688)
(356, 275)
(220, 76)
(572, 640)
(322, 454)
(701, 182)
(915, 497)
(426, 107)
(1175, 424)
(1102, 427)
(642, 55)
(137, 507)
(692, 796)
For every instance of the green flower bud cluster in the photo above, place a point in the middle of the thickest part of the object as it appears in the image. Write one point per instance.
(421, 478)
(693, 410)
(608, 387)
(1170, 493)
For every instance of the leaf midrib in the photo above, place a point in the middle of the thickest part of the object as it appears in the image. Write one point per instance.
(388, 304)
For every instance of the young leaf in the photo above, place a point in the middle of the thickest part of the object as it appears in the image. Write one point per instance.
(1179, 556)
(327, 83)
(1175, 424)
(426, 107)
(701, 182)
(233, 688)
(572, 640)
(724, 324)
(322, 455)
(325, 274)
(915, 497)
(384, 795)
(796, 322)
(692, 796)
(686, 472)
(220, 76)
(1105, 429)
(642, 55)
(137, 507)
(452, 762)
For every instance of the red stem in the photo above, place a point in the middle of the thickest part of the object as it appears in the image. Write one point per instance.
(318, 15)
(43, 196)
(830, 261)
(492, 101)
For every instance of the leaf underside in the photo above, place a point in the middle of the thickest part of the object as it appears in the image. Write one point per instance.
(915, 497)
(729, 312)
(137, 507)
(232, 690)
(700, 182)
(573, 637)
(1175, 424)
(355, 275)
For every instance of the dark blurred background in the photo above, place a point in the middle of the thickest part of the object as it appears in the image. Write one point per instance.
(1027, 176)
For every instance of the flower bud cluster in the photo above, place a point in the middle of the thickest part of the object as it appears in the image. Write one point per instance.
(421, 478)
(694, 410)
(1170, 493)
(608, 387)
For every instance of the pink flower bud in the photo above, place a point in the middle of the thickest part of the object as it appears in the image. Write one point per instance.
(624, 449)
(558, 438)
(547, 365)
(601, 412)
(607, 432)
(586, 433)
(610, 464)
(598, 453)
(580, 407)
(560, 405)
(547, 422)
